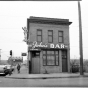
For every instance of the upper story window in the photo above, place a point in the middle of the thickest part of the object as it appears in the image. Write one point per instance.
(60, 36)
(39, 35)
(50, 36)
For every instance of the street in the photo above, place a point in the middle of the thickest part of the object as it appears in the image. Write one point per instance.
(11, 81)
(57, 82)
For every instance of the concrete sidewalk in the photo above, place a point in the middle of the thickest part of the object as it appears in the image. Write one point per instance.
(43, 76)
(24, 75)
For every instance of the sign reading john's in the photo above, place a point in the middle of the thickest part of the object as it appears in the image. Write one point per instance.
(36, 45)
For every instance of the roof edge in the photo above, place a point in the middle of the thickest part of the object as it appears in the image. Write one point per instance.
(45, 20)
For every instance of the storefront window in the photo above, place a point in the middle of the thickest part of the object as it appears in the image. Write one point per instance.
(44, 52)
(50, 58)
(48, 52)
(52, 52)
(56, 52)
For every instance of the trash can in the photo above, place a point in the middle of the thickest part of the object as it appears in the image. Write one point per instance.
(75, 68)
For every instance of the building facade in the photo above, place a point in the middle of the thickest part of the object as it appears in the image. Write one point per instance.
(48, 45)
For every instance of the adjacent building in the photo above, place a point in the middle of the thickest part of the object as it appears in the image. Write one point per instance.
(48, 45)
(15, 60)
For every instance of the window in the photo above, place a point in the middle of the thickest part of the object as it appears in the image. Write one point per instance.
(39, 35)
(50, 58)
(64, 54)
(50, 36)
(60, 36)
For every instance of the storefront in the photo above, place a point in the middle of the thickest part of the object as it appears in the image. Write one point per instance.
(48, 58)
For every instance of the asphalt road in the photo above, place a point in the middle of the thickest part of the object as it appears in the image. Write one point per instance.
(58, 82)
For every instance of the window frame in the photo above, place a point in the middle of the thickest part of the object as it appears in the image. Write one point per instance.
(39, 35)
(46, 55)
(61, 36)
(50, 36)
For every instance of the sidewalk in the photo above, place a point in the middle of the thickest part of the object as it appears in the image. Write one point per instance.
(24, 75)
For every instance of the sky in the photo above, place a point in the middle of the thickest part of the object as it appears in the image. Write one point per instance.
(14, 14)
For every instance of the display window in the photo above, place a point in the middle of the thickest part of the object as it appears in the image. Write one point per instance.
(50, 58)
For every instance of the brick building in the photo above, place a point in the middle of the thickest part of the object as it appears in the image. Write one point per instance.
(48, 45)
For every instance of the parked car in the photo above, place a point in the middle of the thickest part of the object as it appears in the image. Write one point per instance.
(3, 70)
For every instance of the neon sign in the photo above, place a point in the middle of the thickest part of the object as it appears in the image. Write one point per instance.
(35, 45)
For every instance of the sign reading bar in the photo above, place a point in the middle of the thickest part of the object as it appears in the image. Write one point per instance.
(40, 45)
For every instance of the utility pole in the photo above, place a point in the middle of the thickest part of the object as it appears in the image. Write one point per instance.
(80, 39)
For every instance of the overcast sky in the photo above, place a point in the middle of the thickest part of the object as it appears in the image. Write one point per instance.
(13, 16)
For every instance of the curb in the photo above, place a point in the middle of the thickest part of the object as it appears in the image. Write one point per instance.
(42, 77)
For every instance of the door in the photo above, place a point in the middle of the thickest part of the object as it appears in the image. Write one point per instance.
(36, 62)
(64, 61)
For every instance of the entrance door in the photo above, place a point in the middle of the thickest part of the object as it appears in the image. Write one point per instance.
(35, 62)
(64, 61)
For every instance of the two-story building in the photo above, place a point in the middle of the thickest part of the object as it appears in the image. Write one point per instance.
(48, 45)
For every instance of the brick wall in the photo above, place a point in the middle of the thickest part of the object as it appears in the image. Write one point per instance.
(45, 28)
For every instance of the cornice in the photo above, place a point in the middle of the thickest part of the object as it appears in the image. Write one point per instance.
(53, 21)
